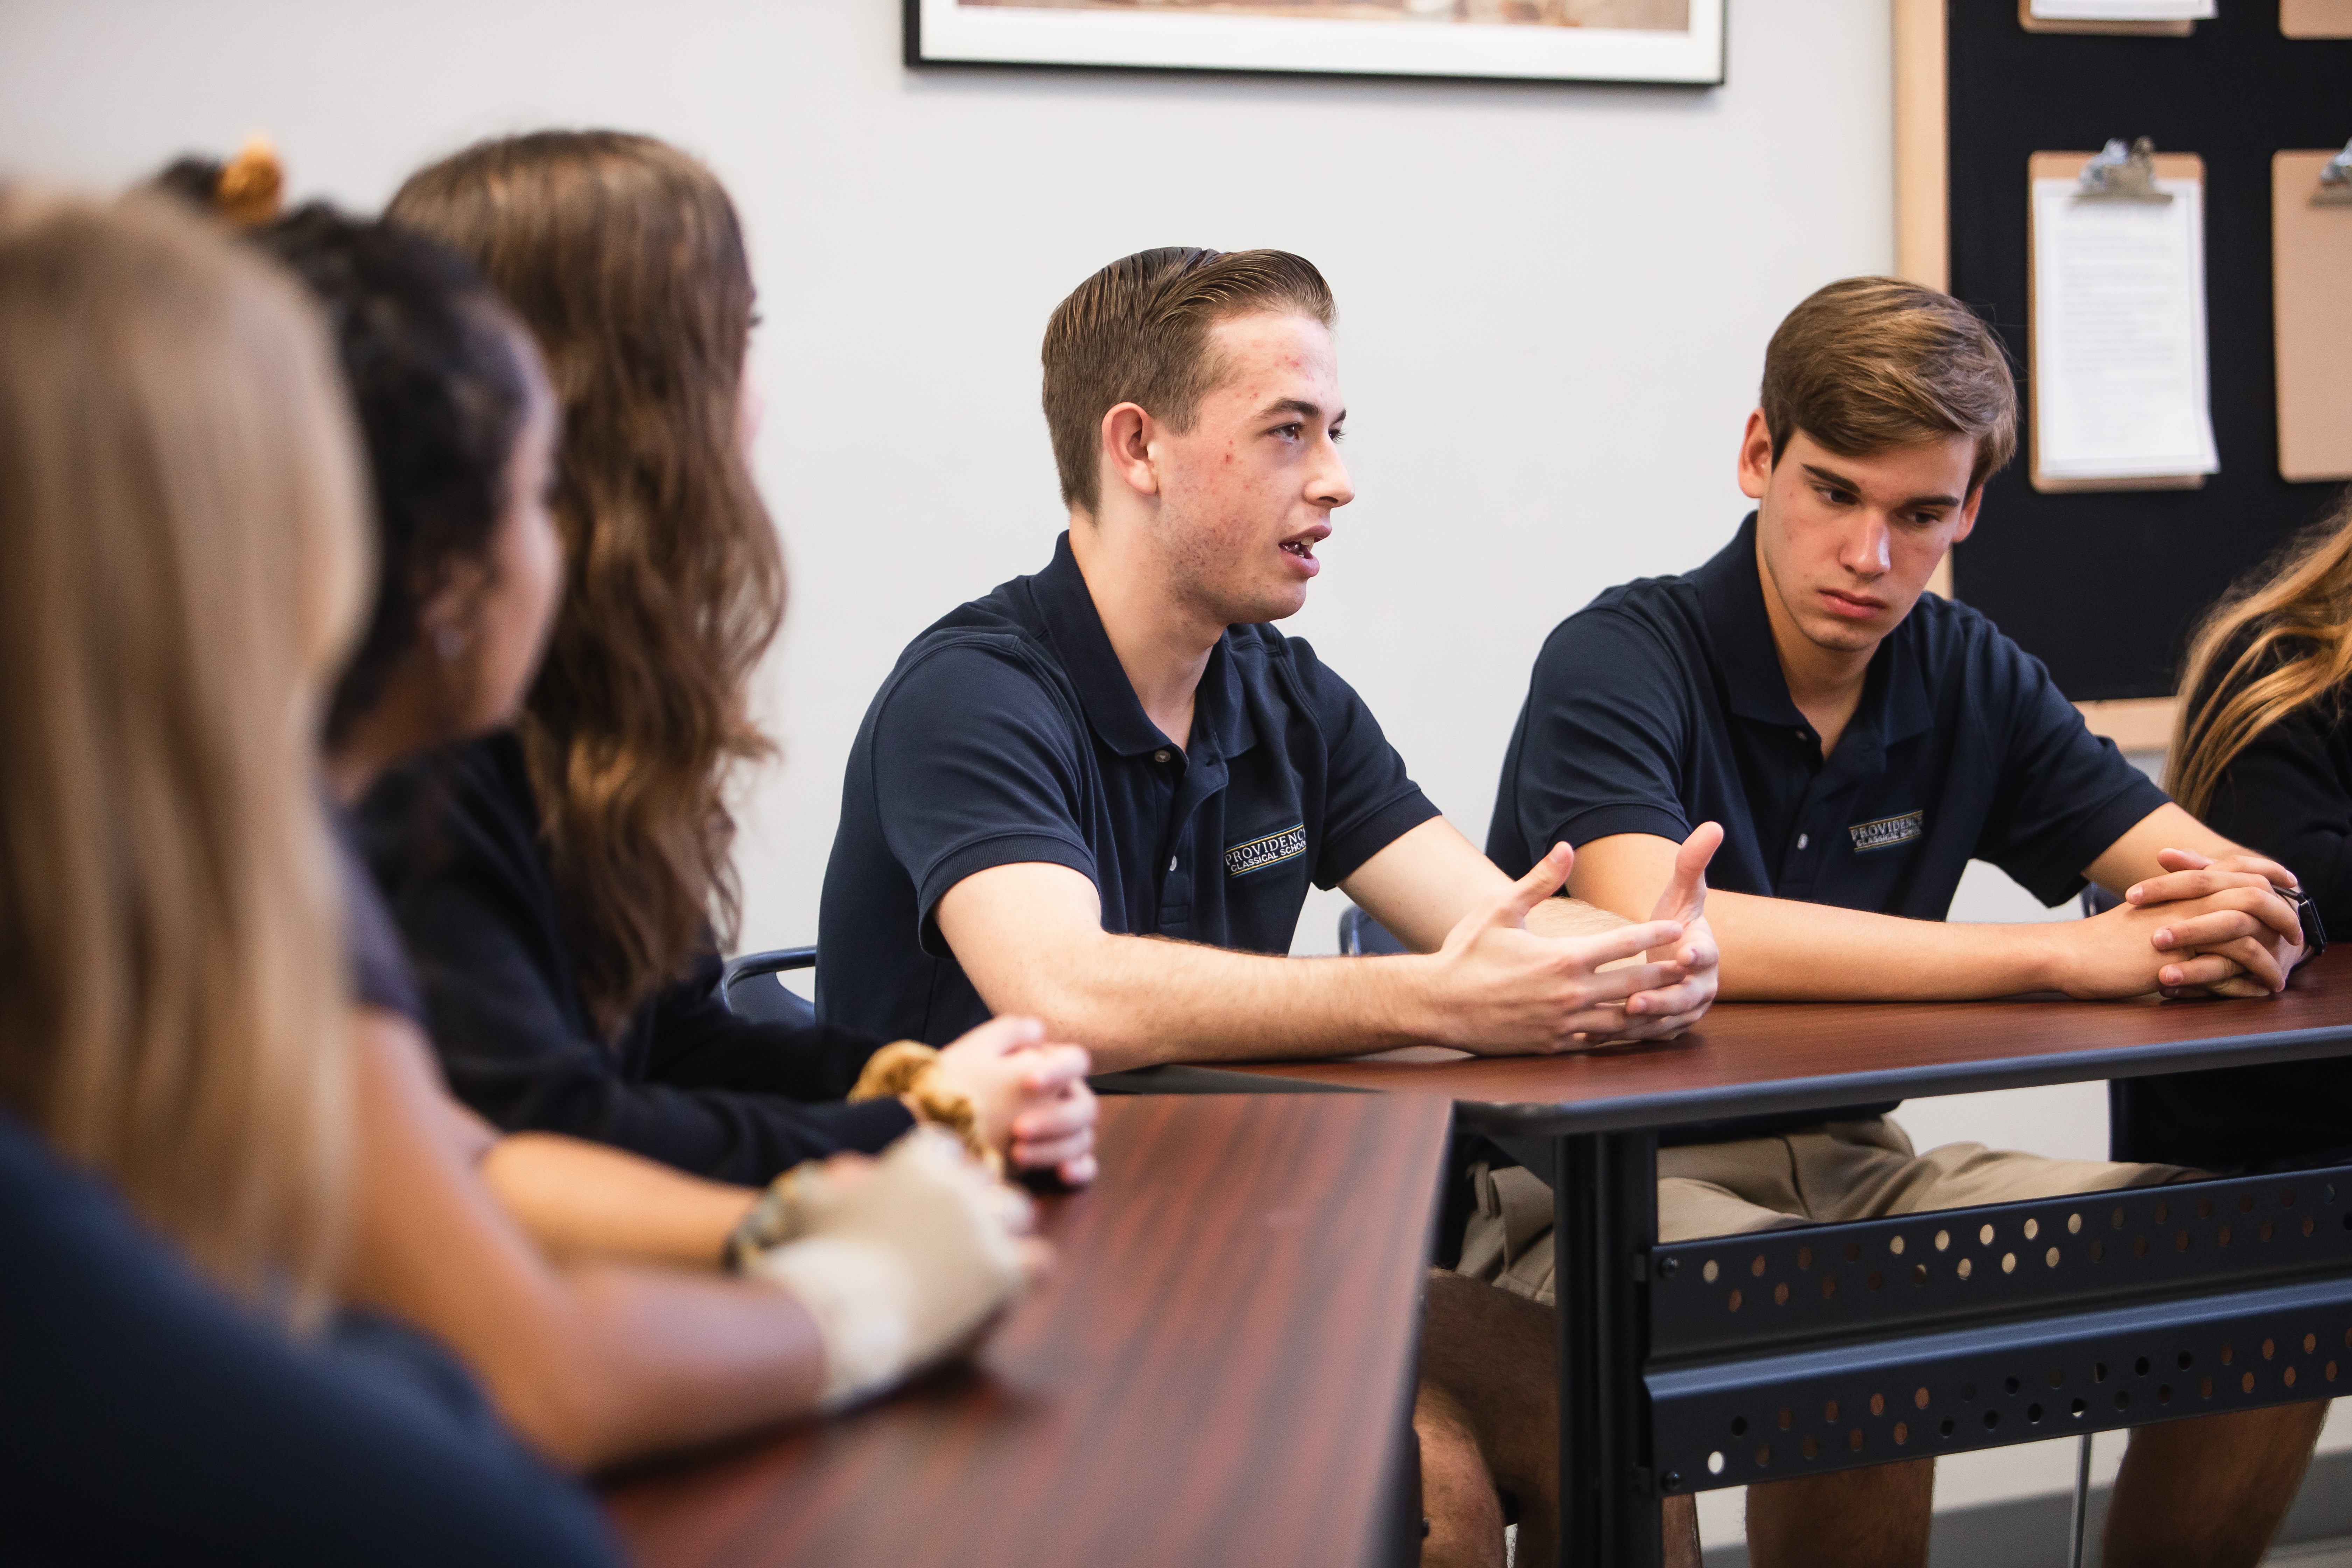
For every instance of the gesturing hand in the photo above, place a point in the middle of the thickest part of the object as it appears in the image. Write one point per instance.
(1663, 1013)
(1500, 989)
(2244, 939)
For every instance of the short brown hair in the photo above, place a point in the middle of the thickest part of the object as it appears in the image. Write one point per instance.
(1868, 363)
(1137, 331)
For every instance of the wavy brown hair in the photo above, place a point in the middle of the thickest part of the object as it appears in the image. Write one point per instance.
(625, 259)
(181, 563)
(2280, 639)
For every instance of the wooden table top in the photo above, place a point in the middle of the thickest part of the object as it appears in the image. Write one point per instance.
(1750, 1058)
(1217, 1373)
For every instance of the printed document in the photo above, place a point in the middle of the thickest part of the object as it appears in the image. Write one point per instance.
(2119, 354)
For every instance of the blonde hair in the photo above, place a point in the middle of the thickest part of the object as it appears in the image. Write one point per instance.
(2286, 634)
(181, 563)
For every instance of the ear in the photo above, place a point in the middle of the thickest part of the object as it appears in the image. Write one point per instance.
(1756, 457)
(449, 618)
(1127, 433)
(1969, 514)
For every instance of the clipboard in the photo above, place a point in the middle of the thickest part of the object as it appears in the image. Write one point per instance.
(2311, 282)
(2315, 18)
(2068, 166)
(2178, 29)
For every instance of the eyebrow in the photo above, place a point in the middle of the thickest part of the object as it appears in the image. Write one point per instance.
(1831, 477)
(1299, 406)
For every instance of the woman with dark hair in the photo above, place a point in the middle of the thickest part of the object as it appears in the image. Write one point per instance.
(2264, 753)
(557, 883)
(594, 1362)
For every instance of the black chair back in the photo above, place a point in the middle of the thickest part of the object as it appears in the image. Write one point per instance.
(1361, 936)
(750, 989)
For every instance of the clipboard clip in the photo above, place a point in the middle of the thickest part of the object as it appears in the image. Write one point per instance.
(2120, 174)
(2335, 180)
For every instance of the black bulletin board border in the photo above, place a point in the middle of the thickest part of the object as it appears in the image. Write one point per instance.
(2104, 587)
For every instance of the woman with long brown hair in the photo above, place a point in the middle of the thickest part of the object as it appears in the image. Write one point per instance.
(181, 558)
(2262, 751)
(592, 1363)
(557, 883)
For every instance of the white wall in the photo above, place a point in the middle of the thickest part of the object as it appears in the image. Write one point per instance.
(1554, 300)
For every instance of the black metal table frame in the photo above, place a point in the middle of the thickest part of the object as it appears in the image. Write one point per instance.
(1695, 1365)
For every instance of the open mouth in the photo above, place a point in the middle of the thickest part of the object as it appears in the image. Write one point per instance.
(1302, 548)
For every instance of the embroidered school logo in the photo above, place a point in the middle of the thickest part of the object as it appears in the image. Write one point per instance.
(1271, 850)
(1887, 831)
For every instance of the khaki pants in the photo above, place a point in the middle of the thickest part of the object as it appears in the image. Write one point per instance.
(1836, 1172)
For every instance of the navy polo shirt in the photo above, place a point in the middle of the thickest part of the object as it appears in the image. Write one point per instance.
(1008, 733)
(1662, 705)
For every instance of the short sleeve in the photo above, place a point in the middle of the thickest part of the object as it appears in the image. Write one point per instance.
(2065, 796)
(1370, 801)
(1608, 719)
(977, 762)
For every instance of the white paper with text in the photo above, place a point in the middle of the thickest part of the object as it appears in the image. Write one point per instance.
(2119, 351)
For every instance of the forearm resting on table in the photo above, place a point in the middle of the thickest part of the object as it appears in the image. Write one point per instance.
(1031, 938)
(1420, 886)
(591, 1363)
(1784, 949)
(580, 1200)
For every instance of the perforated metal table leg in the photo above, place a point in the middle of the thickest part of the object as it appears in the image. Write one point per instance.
(1605, 1214)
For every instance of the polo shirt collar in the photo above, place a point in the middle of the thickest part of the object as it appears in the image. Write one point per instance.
(1895, 704)
(1113, 710)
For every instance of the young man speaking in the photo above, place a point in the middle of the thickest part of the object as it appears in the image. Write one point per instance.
(1060, 776)
(1859, 744)
(1097, 796)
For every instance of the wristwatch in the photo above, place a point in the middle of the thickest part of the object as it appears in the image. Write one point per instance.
(2314, 933)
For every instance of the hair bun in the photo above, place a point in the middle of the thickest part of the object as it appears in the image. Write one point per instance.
(249, 188)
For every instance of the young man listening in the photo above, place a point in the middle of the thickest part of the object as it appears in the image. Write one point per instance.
(1859, 744)
(1097, 795)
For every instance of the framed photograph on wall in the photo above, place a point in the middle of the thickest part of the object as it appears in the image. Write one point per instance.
(1678, 41)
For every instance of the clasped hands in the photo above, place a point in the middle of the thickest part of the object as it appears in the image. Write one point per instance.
(1029, 1097)
(1505, 990)
(2215, 927)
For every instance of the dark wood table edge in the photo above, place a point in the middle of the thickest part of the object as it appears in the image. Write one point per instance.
(1391, 1527)
(1633, 1113)
(1628, 1113)
(1190, 1078)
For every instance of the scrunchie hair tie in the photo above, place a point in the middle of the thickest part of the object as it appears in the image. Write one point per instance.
(249, 188)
